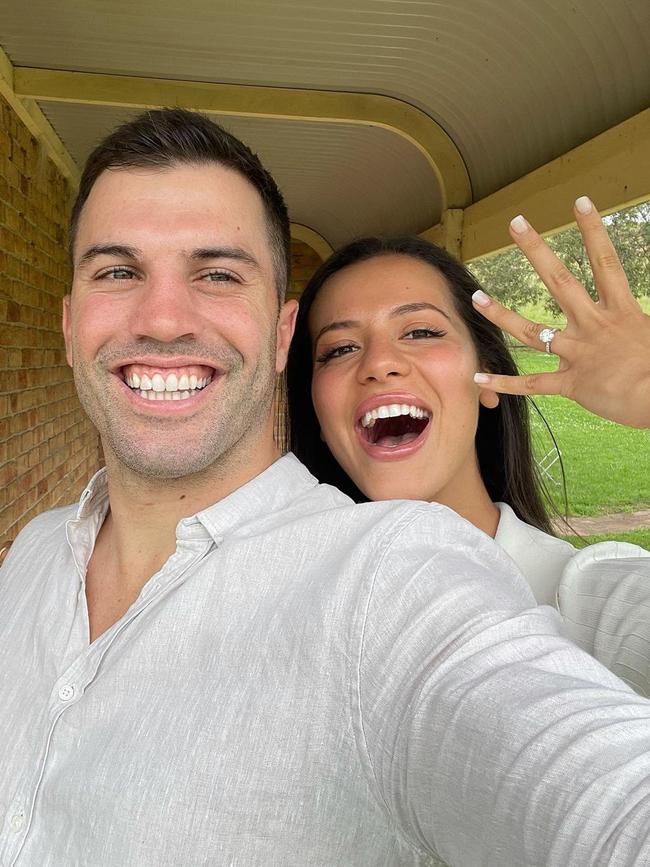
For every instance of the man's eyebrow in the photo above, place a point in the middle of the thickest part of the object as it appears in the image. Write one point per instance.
(121, 250)
(416, 306)
(334, 326)
(241, 255)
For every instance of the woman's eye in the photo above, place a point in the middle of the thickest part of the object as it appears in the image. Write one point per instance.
(423, 333)
(335, 352)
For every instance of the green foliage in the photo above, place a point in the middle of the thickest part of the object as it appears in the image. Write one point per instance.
(509, 277)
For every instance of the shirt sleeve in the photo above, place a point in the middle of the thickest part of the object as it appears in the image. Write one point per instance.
(604, 598)
(490, 738)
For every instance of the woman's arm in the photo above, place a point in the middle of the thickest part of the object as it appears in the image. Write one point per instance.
(604, 351)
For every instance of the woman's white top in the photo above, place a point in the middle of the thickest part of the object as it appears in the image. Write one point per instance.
(602, 592)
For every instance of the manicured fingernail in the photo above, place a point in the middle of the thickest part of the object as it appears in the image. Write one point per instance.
(480, 298)
(584, 205)
(481, 378)
(519, 224)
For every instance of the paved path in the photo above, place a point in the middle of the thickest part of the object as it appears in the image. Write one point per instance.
(619, 522)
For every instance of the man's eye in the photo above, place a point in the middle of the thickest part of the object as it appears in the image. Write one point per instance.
(118, 272)
(220, 277)
(423, 333)
(335, 352)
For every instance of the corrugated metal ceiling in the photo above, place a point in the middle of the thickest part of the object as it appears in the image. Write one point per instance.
(513, 82)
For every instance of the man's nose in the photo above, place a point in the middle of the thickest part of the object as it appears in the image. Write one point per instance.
(382, 361)
(165, 311)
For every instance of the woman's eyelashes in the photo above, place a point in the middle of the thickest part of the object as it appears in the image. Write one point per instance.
(335, 352)
(422, 332)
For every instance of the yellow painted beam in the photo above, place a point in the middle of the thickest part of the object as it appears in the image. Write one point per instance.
(313, 239)
(252, 101)
(613, 169)
(36, 122)
(448, 233)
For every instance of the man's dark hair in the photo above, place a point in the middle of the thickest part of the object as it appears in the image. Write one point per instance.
(172, 136)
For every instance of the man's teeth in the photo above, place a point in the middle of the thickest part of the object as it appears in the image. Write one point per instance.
(392, 410)
(172, 388)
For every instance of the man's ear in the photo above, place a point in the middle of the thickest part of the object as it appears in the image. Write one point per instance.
(284, 333)
(67, 328)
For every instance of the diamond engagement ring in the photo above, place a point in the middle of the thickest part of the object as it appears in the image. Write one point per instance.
(546, 335)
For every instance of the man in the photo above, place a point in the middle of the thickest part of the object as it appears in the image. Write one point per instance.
(213, 660)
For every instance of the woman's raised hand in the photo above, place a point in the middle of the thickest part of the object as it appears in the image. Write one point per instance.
(604, 351)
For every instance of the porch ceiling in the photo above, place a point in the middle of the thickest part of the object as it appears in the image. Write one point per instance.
(505, 85)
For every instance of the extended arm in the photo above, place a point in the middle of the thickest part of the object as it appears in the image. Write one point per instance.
(493, 740)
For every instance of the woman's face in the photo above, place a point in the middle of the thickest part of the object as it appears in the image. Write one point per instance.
(393, 382)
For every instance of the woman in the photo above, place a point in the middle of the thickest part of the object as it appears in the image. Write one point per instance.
(399, 350)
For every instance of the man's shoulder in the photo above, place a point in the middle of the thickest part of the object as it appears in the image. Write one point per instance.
(43, 530)
(400, 524)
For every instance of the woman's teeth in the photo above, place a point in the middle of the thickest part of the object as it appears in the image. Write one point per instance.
(170, 388)
(392, 410)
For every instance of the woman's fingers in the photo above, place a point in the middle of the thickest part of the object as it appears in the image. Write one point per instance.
(569, 293)
(609, 277)
(532, 383)
(522, 329)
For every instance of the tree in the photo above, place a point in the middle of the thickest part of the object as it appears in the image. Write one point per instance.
(509, 278)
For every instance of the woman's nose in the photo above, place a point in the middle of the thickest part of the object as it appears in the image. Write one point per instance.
(383, 361)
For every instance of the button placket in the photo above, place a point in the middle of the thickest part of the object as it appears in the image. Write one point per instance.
(67, 692)
(17, 822)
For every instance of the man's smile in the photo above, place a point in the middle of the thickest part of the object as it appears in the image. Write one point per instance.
(162, 383)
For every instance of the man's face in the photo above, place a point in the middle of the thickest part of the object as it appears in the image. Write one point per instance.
(172, 325)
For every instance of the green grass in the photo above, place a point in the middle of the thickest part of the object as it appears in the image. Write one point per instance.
(607, 466)
(636, 537)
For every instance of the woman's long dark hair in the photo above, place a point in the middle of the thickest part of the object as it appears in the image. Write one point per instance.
(503, 441)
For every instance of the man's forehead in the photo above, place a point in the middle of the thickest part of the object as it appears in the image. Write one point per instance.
(209, 179)
(177, 200)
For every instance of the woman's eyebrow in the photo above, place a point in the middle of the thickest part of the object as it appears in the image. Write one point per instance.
(334, 326)
(415, 306)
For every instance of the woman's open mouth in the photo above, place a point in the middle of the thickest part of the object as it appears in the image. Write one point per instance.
(393, 426)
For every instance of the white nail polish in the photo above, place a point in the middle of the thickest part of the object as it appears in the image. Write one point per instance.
(584, 205)
(519, 224)
(481, 378)
(480, 298)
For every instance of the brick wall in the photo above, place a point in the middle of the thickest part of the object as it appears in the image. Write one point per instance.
(48, 448)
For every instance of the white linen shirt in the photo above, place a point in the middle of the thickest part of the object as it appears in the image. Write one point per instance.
(602, 592)
(307, 682)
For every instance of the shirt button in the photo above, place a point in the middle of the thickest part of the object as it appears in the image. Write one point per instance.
(17, 822)
(66, 692)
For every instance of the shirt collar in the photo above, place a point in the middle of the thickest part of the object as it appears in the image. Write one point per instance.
(269, 492)
(94, 495)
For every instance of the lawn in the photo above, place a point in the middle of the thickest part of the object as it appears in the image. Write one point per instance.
(607, 466)
(638, 537)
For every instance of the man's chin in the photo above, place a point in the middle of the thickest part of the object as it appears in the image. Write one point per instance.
(165, 467)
